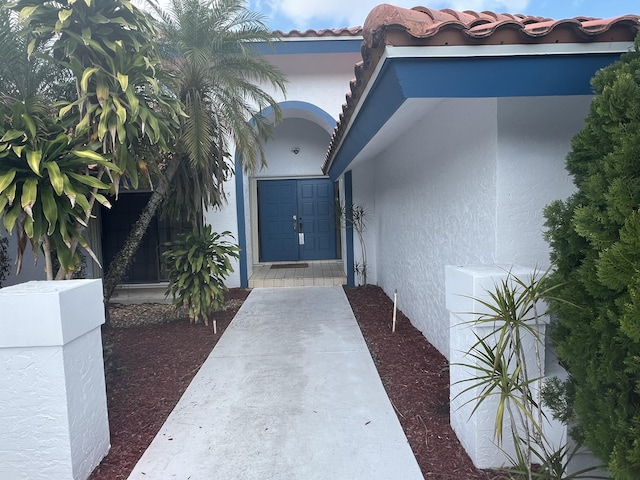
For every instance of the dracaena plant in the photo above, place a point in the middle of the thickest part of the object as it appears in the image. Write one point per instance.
(46, 182)
(197, 264)
(499, 368)
(121, 103)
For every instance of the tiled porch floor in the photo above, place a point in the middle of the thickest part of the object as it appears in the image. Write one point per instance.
(318, 273)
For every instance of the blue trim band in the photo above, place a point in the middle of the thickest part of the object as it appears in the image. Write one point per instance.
(487, 77)
(242, 233)
(348, 200)
(305, 47)
(322, 118)
(493, 77)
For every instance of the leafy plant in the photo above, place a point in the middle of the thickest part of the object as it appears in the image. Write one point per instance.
(594, 243)
(355, 216)
(120, 107)
(47, 181)
(502, 369)
(197, 264)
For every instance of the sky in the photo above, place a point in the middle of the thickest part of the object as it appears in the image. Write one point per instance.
(289, 15)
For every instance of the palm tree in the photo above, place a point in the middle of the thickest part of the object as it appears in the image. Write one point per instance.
(21, 76)
(209, 46)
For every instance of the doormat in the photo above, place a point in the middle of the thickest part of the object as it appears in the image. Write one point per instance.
(290, 265)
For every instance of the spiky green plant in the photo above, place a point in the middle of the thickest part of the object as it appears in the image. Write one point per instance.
(355, 216)
(502, 370)
(197, 264)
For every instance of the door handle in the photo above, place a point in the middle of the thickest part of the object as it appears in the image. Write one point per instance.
(300, 226)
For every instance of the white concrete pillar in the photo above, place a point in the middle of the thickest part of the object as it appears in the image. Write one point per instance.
(53, 405)
(465, 288)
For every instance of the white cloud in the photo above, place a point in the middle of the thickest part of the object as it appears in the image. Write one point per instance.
(351, 13)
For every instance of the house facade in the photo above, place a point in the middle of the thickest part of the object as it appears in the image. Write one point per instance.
(261, 205)
(285, 211)
(452, 136)
(455, 134)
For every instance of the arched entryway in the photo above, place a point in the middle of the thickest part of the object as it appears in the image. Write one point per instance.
(287, 210)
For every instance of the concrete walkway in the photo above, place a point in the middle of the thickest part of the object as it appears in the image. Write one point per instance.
(289, 392)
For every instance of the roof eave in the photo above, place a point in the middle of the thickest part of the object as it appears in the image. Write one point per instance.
(390, 52)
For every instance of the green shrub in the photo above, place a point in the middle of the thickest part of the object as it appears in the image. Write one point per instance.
(196, 265)
(595, 242)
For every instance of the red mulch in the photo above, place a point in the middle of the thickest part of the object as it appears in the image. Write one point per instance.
(416, 377)
(153, 365)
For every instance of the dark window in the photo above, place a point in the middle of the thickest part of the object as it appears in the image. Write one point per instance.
(116, 224)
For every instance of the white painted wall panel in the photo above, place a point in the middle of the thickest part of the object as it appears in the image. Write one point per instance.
(53, 404)
(534, 137)
(364, 195)
(312, 141)
(435, 205)
(319, 79)
(225, 219)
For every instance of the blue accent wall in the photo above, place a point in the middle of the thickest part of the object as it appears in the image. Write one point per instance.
(467, 77)
(242, 232)
(383, 100)
(322, 118)
(484, 77)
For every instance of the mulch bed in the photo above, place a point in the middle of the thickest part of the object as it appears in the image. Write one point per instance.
(416, 378)
(151, 365)
(153, 358)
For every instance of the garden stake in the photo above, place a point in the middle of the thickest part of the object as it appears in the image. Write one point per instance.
(215, 327)
(395, 304)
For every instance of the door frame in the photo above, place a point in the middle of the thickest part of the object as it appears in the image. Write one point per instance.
(253, 216)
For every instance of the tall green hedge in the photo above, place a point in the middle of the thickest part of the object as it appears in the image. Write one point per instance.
(595, 242)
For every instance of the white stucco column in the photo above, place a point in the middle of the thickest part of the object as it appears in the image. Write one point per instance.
(465, 288)
(53, 407)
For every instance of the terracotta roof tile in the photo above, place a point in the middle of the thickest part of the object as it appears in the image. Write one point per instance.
(421, 26)
(328, 32)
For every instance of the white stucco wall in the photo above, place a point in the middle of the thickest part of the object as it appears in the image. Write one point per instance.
(312, 141)
(53, 403)
(534, 137)
(364, 195)
(466, 184)
(225, 219)
(319, 79)
(435, 205)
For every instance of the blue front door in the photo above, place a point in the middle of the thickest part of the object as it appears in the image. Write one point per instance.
(296, 220)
